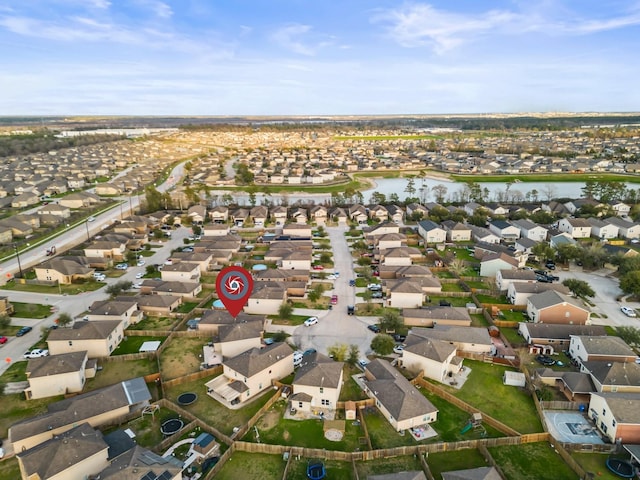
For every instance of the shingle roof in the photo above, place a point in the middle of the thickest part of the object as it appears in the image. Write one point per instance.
(318, 370)
(453, 333)
(480, 473)
(437, 313)
(550, 298)
(141, 464)
(625, 407)
(614, 373)
(56, 364)
(93, 330)
(605, 345)
(256, 360)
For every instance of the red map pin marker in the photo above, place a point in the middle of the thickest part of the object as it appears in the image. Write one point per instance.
(234, 286)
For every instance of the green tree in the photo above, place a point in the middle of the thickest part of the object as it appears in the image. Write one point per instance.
(153, 199)
(5, 321)
(64, 319)
(354, 355)
(382, 344)
(457, 266)
(367, 297)
(391, 320)
(279, 336)
(325, 257)
(542, 218)
(117, 288)
(378, 198)
(630, 283)
(411, 187)
(542, 251)
(579, 288)
(631, 335)
(285, 310)
(338, 351)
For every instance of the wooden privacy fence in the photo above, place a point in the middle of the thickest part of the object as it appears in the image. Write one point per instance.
(148, 333)
(209, 372)
(252, 421)
(163, 402)
(127, 357)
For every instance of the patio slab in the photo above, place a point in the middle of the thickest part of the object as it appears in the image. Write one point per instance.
(571, 427)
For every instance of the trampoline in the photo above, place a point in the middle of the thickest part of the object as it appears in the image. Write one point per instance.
(171, 426)
(187, 398)
(620, 467)
(316, 471)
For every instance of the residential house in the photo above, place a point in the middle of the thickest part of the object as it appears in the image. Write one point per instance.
(233, 339)
(129, 466)
(202, 259)
(435, 315)
(504, 278)
(587, 348)
(561, 239)
(64, 270)
(554, 307)
(79, 200)
(299, 215)
(431, 232)
(25, 200)
(504, 230)
(125, 311)
(379, 212)
(56, 210)
(456, 231)
(212, 320)
(628, 230)
(434, 358)
(113, 249)
(531, 230)
(480, 473)
(57, 375)
(197, 214)
(574, 206)
(296, 230)
(621, 209)
(519, 292)
(251, 372)
(417, 211)
(98, 407)
(80, 452)
(319, 214)
(492, 263)
(575, 227)
(358, 214)
(239, 216)
(216, 230)
(219, 214)
(339, 215)
(602, 230)
(396, 214)
(317, 384)
(158, 305)
(401, 256)
(405, 293)
(617, 416)
(466, 339)
(278, 214)
(266, 298)
(622, 377)
(390, 240)
(483, 235)
(408, 475)
(17, 227)
(5, 306)
(186, 290)
(259, 215)
(399, 401)
(181, 272)
(99, 338)
(555, 334)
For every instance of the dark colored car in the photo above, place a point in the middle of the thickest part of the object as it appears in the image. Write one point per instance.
(545, 360)
(352, 283)
(376, 295)
(543, 279)
(551, 265)
(309, 351)
(23, 331)
(374, 328)
(444, 303)
(209, 463)
(399, 338)
(351, 310)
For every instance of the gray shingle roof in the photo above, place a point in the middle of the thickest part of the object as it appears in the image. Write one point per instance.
(56, 364)
(256, 360)
(318, 370)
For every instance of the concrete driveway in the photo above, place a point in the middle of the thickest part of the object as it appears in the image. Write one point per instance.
(607, 289)
(335, 326)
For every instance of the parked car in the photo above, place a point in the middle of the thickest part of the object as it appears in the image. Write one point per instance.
(374, 287)
(268, 341)
(399, 338)
(309, 351)
(398, 349)
(23, 331)
(351, 310)
(3, 339)
(141, 263)
(628, 311)
(332, 277)
(310, 321)
(550, 264)
(374, 328)
(352, 283)
(444, 303)
(545, 360)
(91, 219)
(377, 295)
(37, 353)
(318, 267)
(334, 299)
(122, 266)
(363, 362)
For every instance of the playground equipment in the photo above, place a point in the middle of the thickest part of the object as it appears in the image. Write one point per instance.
(171, 426)
(620, 467)
(475, 422)
(316, 471)
(187, 398)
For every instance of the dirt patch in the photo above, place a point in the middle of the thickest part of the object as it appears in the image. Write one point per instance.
(333, 435)
(286, 435)
(269, 420)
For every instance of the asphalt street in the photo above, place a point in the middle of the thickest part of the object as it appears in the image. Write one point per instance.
(334, 325)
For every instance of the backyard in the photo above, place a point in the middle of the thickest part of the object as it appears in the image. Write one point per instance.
(211, 411)
(381, 433)
(388, 465)
(155, 323)
(181, 357)
(16, 408)
(532, 461)
(335, 470)
(9, 469)
(114, 372)
(31, 310)
(595, 463)
(457, 460)
(132, 344)
(511, 405)
(272, 428)
(252, 466)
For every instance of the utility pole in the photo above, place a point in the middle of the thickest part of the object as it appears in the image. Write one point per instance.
(86, 224)
(15, 247)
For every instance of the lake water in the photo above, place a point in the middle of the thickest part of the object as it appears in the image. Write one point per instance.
(455, 191)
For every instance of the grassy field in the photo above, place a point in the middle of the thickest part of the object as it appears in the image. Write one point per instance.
(72, 289)
(454, 301)
(532, 461)
(182, 356)
(213, 412)
(147, 427)
(335, 470)
(9, 469)
(114, 372)
(350, 389)
(30, 310)
(15, 373)
(387, 466)
(16, 408)
(252, 466)
(382, 434)
(595, 463)
(452, 287)
(133, 344)
(484, 390)
(155, 323)
(274, 429)
(451, 461)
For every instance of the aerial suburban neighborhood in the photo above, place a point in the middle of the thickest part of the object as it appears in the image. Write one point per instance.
(440, 330)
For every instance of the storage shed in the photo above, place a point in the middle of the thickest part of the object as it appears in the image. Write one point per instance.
(514, 379)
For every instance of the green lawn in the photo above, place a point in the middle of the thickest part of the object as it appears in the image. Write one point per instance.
(9, 330)
(511, 334)
(155, 323)
(490, 299)
(462, 254)
(292, 320)
(186, 307)
(15, 373)
(72, 289)
(387, 466)
(445, 274)
(451, 461)
(252, 466)
(532, 461)
(484, 390)
(9, 469)
(15, 408)
(512, 315)
(133, 344)
(114, 372)
(454, 301)
(30, 310)
(477, 284)
(335, 470)
(351, 390)
(382, 434)
(478, 320)
(452, 287)
(595, 463)
(451, 420)
(147, 427)
(274, 429)
(212, 412)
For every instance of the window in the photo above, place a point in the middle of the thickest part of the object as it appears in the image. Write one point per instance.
(321, 390)
(326, 403)
(604, 412)
(70, 343)
(259, 386)
(613, 423)
(299, 404)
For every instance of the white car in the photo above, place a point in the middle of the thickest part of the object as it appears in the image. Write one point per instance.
(628, 311)
(310, 321)
(37, 353)
(141, 263)
(137, 285)
(398, 349)
(139, 275)
(332, 277)
(91, 219)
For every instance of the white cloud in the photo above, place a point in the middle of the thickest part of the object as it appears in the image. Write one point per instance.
(289, 38)
(421, 24)
(159, 9)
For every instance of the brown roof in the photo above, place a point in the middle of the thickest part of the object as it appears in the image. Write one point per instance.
(93, 330)
(240, 331)
(318, 370)
(56, 364)
(137, 463)
(256, 360)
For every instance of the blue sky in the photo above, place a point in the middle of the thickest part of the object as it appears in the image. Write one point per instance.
(295, 57)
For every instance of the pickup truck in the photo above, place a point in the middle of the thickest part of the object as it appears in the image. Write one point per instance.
(37, 353)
